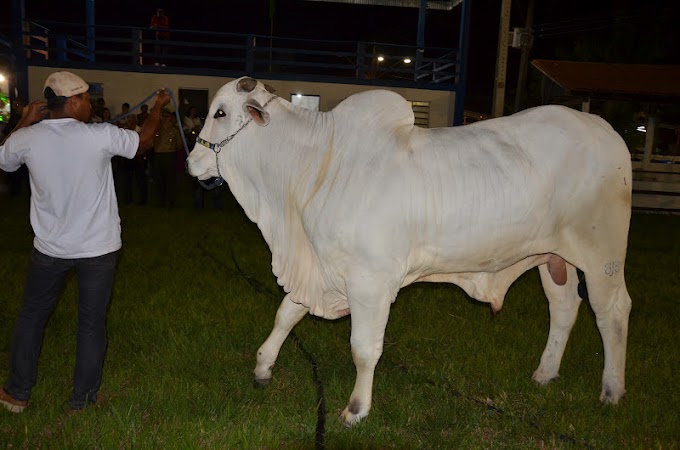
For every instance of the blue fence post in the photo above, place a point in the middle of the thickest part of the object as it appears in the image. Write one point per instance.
(361, 60)
(89, 8)
(61, 50)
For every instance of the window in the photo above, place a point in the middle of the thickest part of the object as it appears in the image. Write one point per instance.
(421, 111)
(306, 101)
(193, 97)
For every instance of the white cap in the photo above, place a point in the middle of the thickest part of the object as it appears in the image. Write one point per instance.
(64, 84)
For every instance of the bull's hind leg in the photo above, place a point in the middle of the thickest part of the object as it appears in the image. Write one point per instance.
(611, 303)
(564, 302)
(287, 316)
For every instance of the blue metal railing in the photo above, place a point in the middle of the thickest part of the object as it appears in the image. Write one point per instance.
(190, 51)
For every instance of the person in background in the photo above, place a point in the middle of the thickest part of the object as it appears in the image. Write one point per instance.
(122, 122)
(96, 117)
(106, 115)
(99, 106)
(168, 141)
(118, 163)
(74, 216)
(134, 170)
(131, 123)
(160, 21)
(143, 114)
(192, 127)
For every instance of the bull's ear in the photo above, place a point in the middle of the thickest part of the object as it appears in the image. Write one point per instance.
(257, 112)
(246, 84)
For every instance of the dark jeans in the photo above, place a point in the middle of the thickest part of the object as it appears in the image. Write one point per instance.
(44, 282)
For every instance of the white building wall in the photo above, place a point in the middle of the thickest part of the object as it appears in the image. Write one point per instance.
(133, 87)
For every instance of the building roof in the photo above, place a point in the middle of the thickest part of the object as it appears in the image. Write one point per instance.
(639, 81)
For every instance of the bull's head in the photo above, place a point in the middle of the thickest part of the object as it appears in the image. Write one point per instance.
(235, 105)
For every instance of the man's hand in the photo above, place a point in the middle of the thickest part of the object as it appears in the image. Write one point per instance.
(162, 97)
(34, 112)
(148, 131)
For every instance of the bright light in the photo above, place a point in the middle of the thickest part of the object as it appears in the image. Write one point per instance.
(407, 60)
(2, 78)
(642, 128)
(381, 58)
(298, 95)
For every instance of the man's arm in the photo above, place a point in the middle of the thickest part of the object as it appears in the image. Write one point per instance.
(148, 131)
(34, 112)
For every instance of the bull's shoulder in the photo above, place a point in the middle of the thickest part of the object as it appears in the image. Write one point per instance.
(376, 108)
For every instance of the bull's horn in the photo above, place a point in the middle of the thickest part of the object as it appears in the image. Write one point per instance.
(247, 84)
(270, 88)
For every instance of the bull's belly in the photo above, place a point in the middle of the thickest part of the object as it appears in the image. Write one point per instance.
(491, 284)
(477, 252)
(446, 271)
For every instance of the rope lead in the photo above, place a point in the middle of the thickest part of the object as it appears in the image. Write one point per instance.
(218, 181)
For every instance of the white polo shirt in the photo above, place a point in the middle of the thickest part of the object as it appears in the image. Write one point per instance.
(74, 210)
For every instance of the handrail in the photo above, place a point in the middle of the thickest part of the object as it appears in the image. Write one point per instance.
(435, 68)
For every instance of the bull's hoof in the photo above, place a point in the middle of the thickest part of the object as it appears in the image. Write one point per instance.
(348, 419)
(543, 379)
(260, 383)
(352, 414)
(611, 396)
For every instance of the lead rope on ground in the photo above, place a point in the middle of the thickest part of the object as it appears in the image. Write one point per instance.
(217, 182)
(258, 286)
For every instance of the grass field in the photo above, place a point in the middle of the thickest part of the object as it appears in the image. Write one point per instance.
(194, 298)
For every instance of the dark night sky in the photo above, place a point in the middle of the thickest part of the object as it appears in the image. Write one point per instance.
(561, 25)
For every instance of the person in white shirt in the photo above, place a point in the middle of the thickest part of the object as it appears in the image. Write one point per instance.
(74, 216)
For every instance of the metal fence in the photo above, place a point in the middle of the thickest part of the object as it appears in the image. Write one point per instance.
(139, 49)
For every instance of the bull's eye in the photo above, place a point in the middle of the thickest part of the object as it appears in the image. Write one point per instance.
(219, 113)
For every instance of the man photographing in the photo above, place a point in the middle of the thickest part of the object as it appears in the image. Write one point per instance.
(74, 216)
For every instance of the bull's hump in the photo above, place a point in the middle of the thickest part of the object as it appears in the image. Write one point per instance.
(376, 108)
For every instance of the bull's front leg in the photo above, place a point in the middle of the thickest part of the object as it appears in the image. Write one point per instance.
(287, 316)
(370, 309)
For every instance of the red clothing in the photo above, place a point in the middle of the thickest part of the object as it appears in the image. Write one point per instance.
(161, 22)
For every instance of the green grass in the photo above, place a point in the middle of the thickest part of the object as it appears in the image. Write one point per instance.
(185, 323)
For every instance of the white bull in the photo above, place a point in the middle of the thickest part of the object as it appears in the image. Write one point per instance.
(357, 202)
